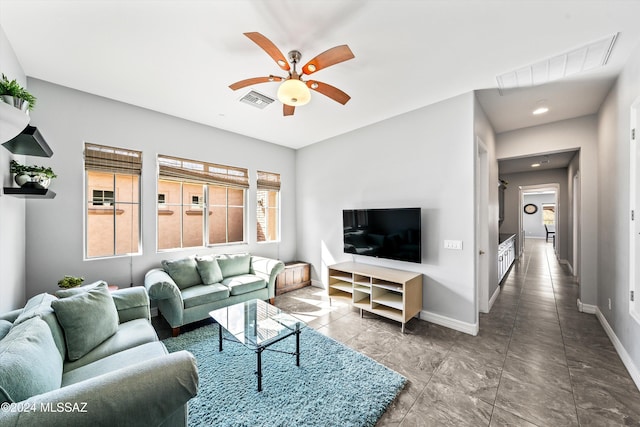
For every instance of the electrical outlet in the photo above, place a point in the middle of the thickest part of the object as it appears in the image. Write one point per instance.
(609, 303)
(453, 244)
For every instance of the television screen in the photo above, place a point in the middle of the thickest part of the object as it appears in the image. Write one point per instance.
(384, 233)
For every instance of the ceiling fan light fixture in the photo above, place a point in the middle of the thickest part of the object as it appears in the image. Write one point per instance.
(294, 92)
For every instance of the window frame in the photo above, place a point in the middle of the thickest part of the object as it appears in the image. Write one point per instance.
(89, 205)
(269, 182)
(209, 175)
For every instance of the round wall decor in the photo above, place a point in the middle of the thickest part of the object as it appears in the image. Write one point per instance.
(530, 209)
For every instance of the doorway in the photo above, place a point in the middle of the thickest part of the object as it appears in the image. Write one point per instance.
(634, 201)
(482, 228)
(541, 218)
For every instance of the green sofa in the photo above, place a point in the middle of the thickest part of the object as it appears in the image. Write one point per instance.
(187, 289)
(58, 369)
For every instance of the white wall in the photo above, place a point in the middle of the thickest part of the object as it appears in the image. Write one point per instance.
(614, 212)
(67, 118)
(424, 159)
(579, 133)
(12, 209)
(484, 130)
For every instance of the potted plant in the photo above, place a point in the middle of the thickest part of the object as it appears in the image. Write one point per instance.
(70, 282)
(14, 94)
(32, 176)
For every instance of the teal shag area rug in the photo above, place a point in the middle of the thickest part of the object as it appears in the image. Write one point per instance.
(334, 385)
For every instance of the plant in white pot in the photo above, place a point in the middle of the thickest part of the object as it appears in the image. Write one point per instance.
(32, 176)
(13, 94)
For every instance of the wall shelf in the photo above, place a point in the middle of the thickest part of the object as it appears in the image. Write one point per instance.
(29, 193)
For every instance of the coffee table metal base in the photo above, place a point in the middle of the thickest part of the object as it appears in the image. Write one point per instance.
(260, 349)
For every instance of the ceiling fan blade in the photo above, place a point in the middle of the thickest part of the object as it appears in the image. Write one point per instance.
(253, 81)
(288, 110)
(328, 90)
(328, 58)
(271, 49)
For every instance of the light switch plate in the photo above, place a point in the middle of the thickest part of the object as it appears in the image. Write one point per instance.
(453, 244)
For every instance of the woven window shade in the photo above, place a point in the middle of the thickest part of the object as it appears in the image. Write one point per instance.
(176, 169)
(268, 181)
(112, 159)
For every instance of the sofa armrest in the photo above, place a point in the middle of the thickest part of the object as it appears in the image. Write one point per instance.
(132, 303)
(160, 285)
(11, 316)
(268, 269)
(142, 394)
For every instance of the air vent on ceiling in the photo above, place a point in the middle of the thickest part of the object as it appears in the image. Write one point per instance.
(256, 99)
(588, 57)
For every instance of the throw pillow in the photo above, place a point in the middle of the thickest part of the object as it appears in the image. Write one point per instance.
(183, 271)
(235, 265)
(5, 326)
(64, 293)
(209, 270)
(29, 362)
(87, 319)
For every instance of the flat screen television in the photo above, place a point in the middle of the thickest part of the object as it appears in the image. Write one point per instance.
(383, 233)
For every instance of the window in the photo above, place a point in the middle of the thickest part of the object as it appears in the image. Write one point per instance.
(112, 217)
(549, 214)
(268, 207)
(202, 203)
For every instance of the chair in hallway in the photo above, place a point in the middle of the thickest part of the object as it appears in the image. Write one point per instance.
(551, 233)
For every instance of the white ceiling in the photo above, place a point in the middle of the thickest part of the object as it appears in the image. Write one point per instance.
(557, 160)
(178, 57)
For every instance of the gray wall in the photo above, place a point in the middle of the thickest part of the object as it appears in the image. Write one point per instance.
(512, 203)
(424, 159)
(68, 118)
(532, 223)
(573, 134)
(12, 209)
(614, 227)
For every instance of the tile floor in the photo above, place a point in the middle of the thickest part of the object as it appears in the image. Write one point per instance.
(537, 361)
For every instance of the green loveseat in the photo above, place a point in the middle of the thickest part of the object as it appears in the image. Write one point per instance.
(187, 289)
(57, 370)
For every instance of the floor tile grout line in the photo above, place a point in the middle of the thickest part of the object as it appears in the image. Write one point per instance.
(564, 347)
(513, 325)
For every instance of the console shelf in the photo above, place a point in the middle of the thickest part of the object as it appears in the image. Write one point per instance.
(394, 294)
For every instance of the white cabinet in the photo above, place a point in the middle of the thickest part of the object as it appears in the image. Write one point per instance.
(506, 255)
(394, 294)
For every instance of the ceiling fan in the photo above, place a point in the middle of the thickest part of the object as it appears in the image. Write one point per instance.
(294, 91)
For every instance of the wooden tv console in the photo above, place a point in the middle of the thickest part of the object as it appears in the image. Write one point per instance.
(387, 292)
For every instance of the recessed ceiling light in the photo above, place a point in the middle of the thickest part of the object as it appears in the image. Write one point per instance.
(540, 110)
(535, 165)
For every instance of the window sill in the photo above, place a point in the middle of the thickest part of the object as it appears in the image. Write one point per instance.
(105, 211)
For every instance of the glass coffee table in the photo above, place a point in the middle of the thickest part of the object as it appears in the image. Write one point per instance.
(258, 325)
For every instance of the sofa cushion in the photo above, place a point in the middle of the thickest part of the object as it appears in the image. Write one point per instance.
(244, 283)
(69, 292)
(130, 334)
(29, 361)
(234, 265)
(204, 294)
(5, 326)
(114, 362)
(87, 319)
(40, 306)
(209, 270)
(183, 271)
(35, 307)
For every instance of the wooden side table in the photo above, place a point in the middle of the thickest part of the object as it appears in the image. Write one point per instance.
(296, 275)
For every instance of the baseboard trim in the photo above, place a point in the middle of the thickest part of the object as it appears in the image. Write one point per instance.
(586, 308)
(447, 322)
(566, 262)
(494, 297)
(622, 352)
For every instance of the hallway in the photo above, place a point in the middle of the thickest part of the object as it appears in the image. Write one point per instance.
(537, 361)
